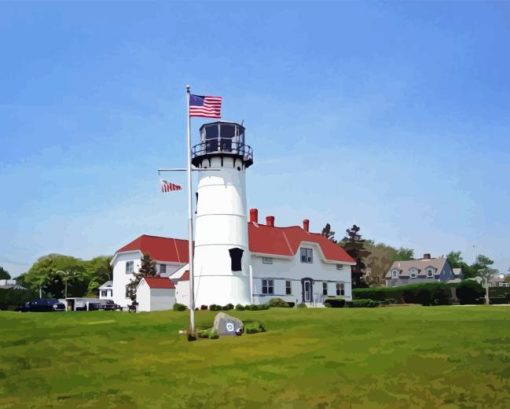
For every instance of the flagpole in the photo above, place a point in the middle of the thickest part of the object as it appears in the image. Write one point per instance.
(191, 334)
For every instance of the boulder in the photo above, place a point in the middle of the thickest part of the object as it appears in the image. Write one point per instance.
(227, 325)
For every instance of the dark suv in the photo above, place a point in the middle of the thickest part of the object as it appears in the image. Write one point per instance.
(109, 305)
(42, 305)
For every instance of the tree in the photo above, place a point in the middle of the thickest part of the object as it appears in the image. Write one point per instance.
(147, 269)
(47, 275)
(381, 258)
(483, 261)
(354, 245)
(328, 233)
(99, 271)
(404, 254)
(4, 274)
(487, 273)
(455, 259)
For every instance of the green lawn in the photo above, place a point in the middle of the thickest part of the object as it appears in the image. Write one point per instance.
(419, 357)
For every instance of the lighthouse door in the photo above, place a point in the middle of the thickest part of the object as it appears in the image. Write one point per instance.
(307, 290)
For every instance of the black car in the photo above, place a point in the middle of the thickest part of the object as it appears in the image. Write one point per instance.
(109, 305)
(42, 305)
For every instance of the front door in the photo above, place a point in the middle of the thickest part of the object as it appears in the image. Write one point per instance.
(307, 290)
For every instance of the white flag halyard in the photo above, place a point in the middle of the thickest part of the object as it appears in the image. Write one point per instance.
(169, 186)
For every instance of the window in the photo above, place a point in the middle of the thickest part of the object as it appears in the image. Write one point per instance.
(267, 286)
(130, 267)
(267, 260)
(162, 269)
(339, 288)
(236, 255)
(430, 272)
(324, 288)
(306, 255)
(339, 266)
(104, 293)
(288, 288)
(394, 273)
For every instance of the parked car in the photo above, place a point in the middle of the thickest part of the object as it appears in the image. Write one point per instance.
(109, 305)
(42, 305)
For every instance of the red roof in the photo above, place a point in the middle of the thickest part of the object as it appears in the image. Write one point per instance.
(263, 239)
(285, 241)
(160, 248)
(159, 282)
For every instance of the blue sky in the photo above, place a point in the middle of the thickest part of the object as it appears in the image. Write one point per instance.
(394, 116)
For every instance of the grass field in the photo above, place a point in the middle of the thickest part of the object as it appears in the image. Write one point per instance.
(422, 357)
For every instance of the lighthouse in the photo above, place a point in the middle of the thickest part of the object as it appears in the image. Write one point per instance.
(222, 255)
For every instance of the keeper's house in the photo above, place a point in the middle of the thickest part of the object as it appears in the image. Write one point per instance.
(291, 263)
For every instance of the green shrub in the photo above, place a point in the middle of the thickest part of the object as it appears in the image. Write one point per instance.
(327, 305)
(204, 333)
(203, 307)
(470, 292)
(213, 334)
(497, 292)
(179, 307)
(11, 298)
(240, 307)
(301, 305)
(335, 302)
(215, 307)
(254, 327)
(228, 307)
(363, 303)
(425, 294)
(257, 307)
(278, 302)
(499, 300)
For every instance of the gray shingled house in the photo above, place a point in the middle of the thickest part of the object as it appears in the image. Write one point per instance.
(424, 270)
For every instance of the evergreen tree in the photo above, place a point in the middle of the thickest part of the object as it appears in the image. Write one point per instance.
(328, 233)
(354, 245)
(147, 269)
(4, 274)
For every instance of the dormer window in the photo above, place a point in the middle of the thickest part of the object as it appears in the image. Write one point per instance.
(413, 273)
(306, 255)
(430, 272)
(394, 274)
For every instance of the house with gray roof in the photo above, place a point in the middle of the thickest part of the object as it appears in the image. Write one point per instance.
(424, 270)
(10, 284)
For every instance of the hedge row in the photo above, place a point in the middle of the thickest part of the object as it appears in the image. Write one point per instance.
(467, 292)
(11, 298)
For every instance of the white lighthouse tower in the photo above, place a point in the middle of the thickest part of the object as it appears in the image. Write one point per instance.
(222, 255)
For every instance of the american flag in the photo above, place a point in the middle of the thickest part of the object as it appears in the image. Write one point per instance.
(169, 187)
(204, 106)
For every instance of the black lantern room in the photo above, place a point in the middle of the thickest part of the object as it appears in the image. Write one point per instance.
(222, 139)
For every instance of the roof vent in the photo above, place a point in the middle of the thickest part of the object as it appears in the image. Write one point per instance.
(270, 221)
(306, 225)
(254, 215)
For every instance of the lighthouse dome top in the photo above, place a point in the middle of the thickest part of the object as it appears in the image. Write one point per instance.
(223, 139)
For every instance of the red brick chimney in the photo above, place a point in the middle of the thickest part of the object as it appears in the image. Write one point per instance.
(426, 256)
(270, 221)
(254, 215)
(306, 225)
